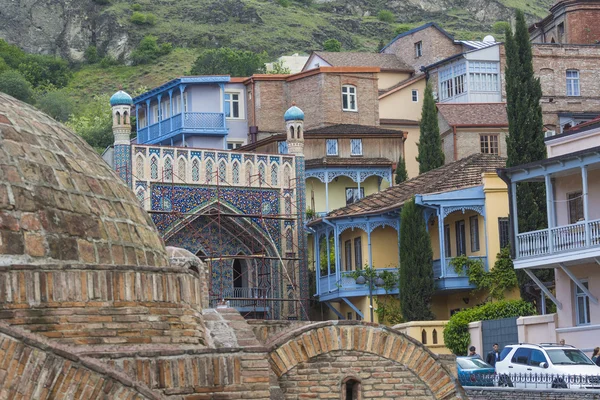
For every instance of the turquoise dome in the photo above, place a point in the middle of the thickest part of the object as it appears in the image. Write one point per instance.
(121, 98)
(293, 113)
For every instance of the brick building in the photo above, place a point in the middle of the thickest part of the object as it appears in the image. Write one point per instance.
(95, 307)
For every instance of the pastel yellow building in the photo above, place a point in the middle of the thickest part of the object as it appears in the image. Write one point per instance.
(465, 207)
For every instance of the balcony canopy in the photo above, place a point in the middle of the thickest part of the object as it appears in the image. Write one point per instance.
(216, 79)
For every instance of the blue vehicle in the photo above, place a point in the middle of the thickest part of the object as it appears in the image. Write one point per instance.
(473, 371)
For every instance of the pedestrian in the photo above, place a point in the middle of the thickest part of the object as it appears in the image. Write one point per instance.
(473, 352)
(562, 342)
(596, 354)
(493, 356)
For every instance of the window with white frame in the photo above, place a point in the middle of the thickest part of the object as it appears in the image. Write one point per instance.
(453, 80)
(460, 78)
(349, 98)
(332, 147)
(234, 145)
(418, 49)
(353, 195)
(572, 82)
(185, 101)
(484, 76)
(489, 144)
(154, 112)
(474, 232)
(356, 147)
(232, 105)
(446, 83)
(582, 305)
(176, 104)
(415, 95)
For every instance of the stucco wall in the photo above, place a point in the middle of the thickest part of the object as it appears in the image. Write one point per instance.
(315, 190)
(389, 79)
(572, 183)
(570, 144)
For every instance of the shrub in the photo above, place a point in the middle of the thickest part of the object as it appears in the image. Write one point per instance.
(150, 19)
(401, 29)
(56, 104)
(136, 7)
(283, 3)
(500, 27)
(15, 85)
(108, 61)
(102, 2)
(456, 333)
(148, 50)
(332, 45)
(3, 65)
(91, 55)
(385, 16)
(139, 18)
(42, 71)
(229, 62)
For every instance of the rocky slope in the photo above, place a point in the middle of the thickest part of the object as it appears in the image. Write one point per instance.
(68, 27)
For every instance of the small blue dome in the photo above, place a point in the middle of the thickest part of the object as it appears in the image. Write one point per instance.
(293, 113)
(121, 98)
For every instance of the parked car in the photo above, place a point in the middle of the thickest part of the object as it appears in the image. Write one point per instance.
(473, 371)
(546, 365)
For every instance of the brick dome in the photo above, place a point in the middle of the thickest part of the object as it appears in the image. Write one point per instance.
(80, 261)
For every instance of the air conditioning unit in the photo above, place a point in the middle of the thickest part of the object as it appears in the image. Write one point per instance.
(550, 133)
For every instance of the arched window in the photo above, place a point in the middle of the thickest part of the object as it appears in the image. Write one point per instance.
(292, 131)
(168, 169)
(289, 240)
(209, 171)
(118, 118)
(222, 172)
(286, 176)
(141, 195)
(434, 336)
(262, 173)
(126, 118)
(351, 389)
(153, 167)
(274, 174)
(349, 98)
(181, 169)
(195, 170)
(288, 205)
(248, 173)
(423, 336)
(139, 167)
(235, 173)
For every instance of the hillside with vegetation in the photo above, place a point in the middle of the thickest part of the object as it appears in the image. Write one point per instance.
(75, 51)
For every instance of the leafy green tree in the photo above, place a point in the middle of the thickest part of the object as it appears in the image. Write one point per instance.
(12, 55)
(525, 139)
(279, 68)
(57, 104)
(323, 254)
(332, 45)
(149, 50)
(401, 29)
(139, 18)
(91, 55)
(380, 46)
(93, 122)
(3, 65)
(44, 71)
(416, 265)
(227, 61)
(431, 155)
(401, 174)
(15, 85)
(500, 27)
(385, 16)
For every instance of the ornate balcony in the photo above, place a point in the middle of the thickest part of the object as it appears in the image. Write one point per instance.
(187, 122)
(447, 278)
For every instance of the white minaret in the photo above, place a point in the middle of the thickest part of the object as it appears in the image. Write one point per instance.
(121, 111)
(294, 124)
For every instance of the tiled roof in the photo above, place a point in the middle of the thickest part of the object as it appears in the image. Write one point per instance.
(417, 29)
(457, 175)
(352, 161)
(350, 129)
(355, 59)
(478, 114)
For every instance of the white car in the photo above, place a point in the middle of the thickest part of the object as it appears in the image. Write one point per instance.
(546, 366)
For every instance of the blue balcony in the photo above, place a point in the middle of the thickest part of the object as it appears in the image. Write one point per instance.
(168, 129)
(447, 278)
(330, 288)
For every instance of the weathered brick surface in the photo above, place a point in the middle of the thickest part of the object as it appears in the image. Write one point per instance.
(534, 394)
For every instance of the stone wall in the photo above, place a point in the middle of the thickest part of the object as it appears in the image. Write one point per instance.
(533, 394)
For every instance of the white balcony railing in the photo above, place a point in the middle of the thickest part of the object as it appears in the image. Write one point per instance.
(243, 297)
(561, 239)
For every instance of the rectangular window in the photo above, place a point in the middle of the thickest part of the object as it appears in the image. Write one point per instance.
(474, 231)
(348, 253)
(415, 96)
(418, 49)
(349, 315)
(352, 195)
(234, 145)
(349, 98)
(356, 147)
(504, 231)
(332, 147)
(446, 83)
(165, 110)
(358, 318)
(232, 105)
(447, 246)
(489, 144)
(561, 30)
(582, 305)
(483, 76)
(461, 248)
(283, 147)
(575, 201)
(185, 102)
(453, 81)
(572, 83)
(154, 112)
(357, 253)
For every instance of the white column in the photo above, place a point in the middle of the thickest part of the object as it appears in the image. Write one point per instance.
(326, 191)
(358, 181)
(586, 211)
(160, 116)
(515, 217)
(549, 212)
(442, 241)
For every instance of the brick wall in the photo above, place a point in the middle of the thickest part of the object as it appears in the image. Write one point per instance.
(468, 141)
(436, 47)
(381, 378)
(270, 102)
(582, 24)
(533, 394)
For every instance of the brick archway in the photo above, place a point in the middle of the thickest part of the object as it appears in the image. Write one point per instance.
(298, 347)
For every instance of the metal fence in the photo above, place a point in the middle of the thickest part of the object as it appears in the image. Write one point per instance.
(530, 380)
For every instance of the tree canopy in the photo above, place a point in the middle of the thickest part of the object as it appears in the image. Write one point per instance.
(227, 61)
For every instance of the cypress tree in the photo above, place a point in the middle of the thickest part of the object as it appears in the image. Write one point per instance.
(401, 174)
(525, 139)
(431, 155)
(416, 265)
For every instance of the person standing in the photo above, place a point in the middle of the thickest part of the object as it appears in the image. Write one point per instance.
(473, 352)
(493, 356)
(596, 354)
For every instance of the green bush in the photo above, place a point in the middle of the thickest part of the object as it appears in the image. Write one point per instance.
(148, 50)
(385, 16)
(15, 85)
(91, 55)
(42, 71)
(402, 28)
(283, 3)
(102, 2)
(500, 27)
(332, 45)
(150, 19)
(139, 18)
(456, 333)
(229, 62)
(3, 65)
(57, 104)
(136, 7)
(108, 61)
